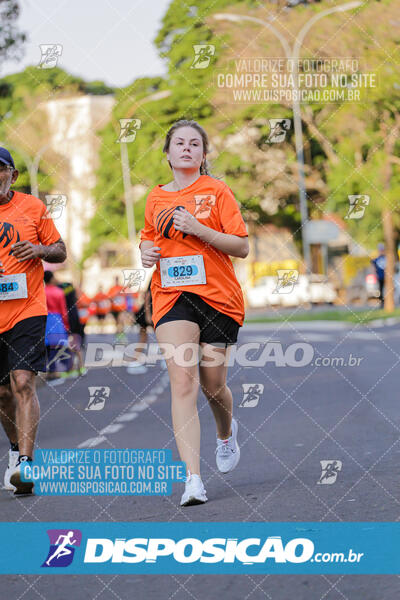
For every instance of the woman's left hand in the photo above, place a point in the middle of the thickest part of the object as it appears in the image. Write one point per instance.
(184, 221)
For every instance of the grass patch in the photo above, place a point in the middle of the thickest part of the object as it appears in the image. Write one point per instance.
(363, 316)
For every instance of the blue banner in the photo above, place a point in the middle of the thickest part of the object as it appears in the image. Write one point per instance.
(182, 547)
(99, 472)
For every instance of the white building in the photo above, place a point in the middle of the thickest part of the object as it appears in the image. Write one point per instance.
(73, 123)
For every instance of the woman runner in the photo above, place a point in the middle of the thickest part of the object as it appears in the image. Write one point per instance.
(192, 225)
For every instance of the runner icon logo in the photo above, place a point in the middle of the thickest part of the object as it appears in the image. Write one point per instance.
(132, 279)
(98, 397)
(55, 204)
(287, 278)
(202, 55)
(358, 204)
(251, 394)
(204, 204)
(278, 130)
(330, 470)
(50, 54)
(62, 353)
(128, 131)
(62, 547)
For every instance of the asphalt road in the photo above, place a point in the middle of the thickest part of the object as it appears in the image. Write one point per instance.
(305, 415)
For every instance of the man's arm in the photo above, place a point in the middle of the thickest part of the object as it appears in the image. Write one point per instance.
(54, 253)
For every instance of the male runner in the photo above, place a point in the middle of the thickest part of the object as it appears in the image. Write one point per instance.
(27, 235)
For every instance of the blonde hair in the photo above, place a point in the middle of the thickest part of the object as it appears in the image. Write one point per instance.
(204, 167)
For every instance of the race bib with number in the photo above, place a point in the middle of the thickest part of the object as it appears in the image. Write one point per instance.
(13, 287)
(182, 270)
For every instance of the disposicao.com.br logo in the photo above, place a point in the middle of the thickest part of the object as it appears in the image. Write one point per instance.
(247, 551)
(62, 547)
(206, 548)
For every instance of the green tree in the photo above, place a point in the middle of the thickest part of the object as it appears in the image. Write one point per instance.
(23, 124)
(366, 142)
(342, 141)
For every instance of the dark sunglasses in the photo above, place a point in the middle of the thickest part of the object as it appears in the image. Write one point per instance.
(4, 168)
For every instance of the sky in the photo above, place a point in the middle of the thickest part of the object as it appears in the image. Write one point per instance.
(110, 40)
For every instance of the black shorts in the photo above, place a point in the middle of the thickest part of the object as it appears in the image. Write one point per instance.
(23, 347)
(140, 318)
(216, 328)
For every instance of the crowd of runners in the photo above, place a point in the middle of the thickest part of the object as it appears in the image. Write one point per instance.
(69, 312)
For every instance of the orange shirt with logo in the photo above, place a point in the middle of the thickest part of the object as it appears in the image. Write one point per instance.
(24, 217)
(118, 298)
(103, 303)
(212, 202)
(83, 304)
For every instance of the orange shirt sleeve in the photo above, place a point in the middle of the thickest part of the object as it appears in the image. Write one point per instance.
(229, 213)
(148, 232)
(46, 230)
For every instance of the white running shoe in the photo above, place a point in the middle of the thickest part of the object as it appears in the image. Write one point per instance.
(12, 463)
(22, 488)
(228, 451)
(136, 368)
(194, 491)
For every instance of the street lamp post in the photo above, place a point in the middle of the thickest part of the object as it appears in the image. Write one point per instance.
(126, 178)
(35, 168)
(292, 54)
(129, 202)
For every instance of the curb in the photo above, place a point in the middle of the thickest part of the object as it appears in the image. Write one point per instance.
(376, 323)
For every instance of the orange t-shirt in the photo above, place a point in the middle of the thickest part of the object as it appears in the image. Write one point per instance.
(83, 304)
(214, 205)
(24, 217)
(103, 304)
(118, 298)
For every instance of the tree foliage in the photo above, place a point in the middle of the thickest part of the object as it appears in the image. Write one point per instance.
(11, 39)
(23, 125)
(343, 142)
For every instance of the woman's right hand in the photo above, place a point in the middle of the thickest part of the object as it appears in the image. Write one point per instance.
(150, 256)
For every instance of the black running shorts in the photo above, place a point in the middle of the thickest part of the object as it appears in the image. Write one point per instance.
(216, 328)
(23, 347)
(140, 318)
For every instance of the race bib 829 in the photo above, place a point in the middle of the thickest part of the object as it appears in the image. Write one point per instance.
(182, 270)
